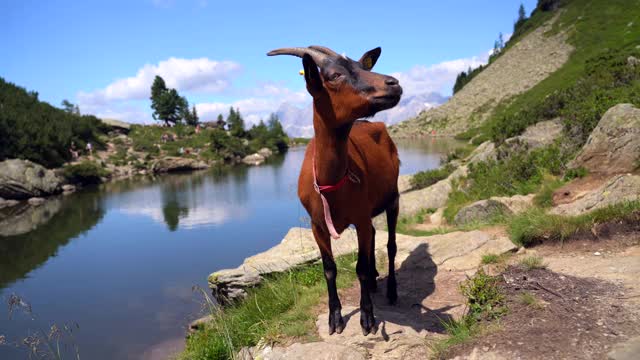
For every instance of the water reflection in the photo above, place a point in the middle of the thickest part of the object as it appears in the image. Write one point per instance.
(69, 218)
(133, 249)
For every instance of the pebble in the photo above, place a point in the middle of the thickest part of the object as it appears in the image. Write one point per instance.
(597, 253)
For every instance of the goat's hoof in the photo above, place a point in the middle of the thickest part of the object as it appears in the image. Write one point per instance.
(336, 322)
(367, 322)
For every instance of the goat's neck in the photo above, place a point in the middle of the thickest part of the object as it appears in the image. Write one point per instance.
(331, 154)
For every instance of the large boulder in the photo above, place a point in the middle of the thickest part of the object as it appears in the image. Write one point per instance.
(265, 152)
(536, 136)
(253, 159)
(23, 179)
(619, 188)
(614, 145)
(485, 210)
(171, 164)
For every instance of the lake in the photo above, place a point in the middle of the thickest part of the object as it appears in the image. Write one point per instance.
(118, 263)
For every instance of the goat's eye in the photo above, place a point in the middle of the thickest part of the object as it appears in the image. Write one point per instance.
(334, 76)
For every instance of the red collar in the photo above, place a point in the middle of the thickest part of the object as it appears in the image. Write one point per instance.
(349, 175)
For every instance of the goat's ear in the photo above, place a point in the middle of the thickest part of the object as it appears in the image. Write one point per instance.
(311, 75)
(369, 58)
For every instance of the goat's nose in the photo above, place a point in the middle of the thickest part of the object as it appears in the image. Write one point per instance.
(391, 81)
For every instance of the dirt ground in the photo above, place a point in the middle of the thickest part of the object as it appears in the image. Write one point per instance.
(586, 300)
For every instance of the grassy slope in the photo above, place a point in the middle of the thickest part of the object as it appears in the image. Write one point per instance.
(595, 27)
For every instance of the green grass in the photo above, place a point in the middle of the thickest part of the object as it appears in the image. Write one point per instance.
(593, 79)
(544, 197)
(485, 301)
(533, 262)
(280, 308)
(490, 259)
(536, 226)
(426, 178)
(521, 173)
(527, 298)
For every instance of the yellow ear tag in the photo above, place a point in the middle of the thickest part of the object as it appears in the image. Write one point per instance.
(368, 64)
(301, 72)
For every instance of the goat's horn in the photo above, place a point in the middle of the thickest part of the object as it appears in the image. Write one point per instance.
(324, 50)
(317, 56)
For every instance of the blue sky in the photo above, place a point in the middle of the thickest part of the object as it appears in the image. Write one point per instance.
(102, 54)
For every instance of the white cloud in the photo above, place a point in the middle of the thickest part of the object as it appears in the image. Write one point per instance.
(196, 75)
(440, 77)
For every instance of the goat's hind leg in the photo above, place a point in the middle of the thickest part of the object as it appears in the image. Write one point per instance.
(336, 322)
(392, 220)
(363, 269)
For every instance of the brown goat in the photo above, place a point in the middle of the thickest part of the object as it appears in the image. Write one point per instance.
(359, 157)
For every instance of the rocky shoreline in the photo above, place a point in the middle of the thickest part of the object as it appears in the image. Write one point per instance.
(454, 255)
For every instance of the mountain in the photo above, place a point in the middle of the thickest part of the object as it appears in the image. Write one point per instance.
(571, 59)
(298, 121)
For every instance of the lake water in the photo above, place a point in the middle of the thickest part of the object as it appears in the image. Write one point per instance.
(118, 263)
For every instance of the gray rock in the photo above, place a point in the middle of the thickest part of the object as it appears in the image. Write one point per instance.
(633, 61)
(298, 247)
(629, 350)
(614, 145)
(8, 203)
(484, 152)
(117, 124)
(404, 183)
(199, 324)
(297, 351)
(253, 159)
(23, 179)
(480, 211)
(536, 136)
(36, 201)
(617, 189)
(68, 189)
(265, 152)
(171, 164)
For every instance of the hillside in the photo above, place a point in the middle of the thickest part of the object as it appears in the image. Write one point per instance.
(563, 59)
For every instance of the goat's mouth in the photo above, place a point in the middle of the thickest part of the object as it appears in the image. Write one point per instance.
(384, 102)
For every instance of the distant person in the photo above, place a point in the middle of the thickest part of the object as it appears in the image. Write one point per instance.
(73, 150)
(181, 150)
(198, 129)
(90, 148)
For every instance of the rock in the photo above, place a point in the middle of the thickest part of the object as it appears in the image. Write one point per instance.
(297, 351)
(460, 250)
(171, 164)
(628, 350)
(265, 152)
(480, 211)
(614, 145)
(404, 183)
(23, 179)
(22, 218)
(633, 61)
(199, 324)
(36, 201)
(8, 203)
(68, 189)
(617, 189)
(485, 210)
(536, 136)
(253, 159)
(484, 152)
(117, 125)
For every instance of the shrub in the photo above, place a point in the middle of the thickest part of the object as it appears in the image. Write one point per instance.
(227, 147)
(426, 178)
(34, 130)
(484, 298)
(86, 172)
(533, 262)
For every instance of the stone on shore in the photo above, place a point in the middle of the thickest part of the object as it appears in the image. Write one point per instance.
(254, 159)
(265, 152)
(617, 189)
(23, 179)
(457, 250)
(297, 351)
(614, 145)
(171, 164)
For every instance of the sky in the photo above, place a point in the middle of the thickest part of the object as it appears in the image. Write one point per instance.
(103, 55)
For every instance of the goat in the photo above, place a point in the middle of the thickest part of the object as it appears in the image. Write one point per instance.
(359, 157)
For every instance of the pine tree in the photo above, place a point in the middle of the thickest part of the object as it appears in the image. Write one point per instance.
(191, 117)
(235, 123)
(167, 104)
(220, 123)
(522, 15)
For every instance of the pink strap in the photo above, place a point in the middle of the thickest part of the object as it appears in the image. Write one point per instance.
(329, 188)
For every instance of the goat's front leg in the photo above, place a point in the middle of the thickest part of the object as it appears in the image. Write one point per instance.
(336, 323)
(365, 275)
